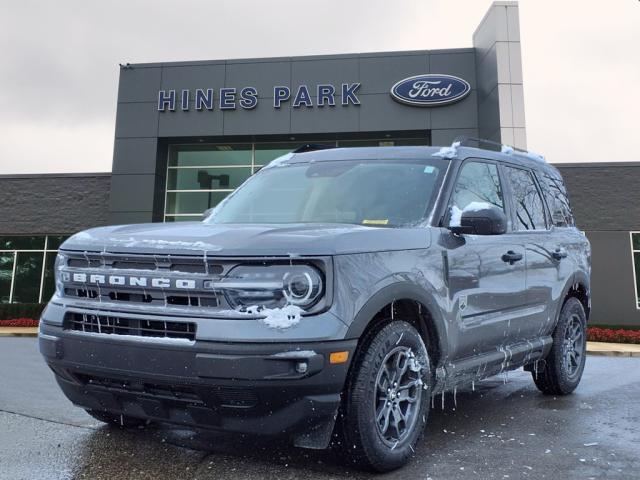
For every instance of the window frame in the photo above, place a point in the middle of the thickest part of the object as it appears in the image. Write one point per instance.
(45, 250)
(633, 266)
(514, 208)
(446, 217)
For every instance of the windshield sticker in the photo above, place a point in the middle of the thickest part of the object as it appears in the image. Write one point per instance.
(375, 222)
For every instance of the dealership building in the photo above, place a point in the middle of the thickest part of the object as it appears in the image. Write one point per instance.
(189, 133)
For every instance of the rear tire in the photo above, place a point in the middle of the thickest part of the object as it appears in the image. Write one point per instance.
(115, 420)
(387, 399)
(564, 365)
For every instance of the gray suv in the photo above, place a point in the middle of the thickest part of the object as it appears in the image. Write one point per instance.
(328, 299)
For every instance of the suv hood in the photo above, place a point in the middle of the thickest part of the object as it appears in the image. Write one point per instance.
(247, 240)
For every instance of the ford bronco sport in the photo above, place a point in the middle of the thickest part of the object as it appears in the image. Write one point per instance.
(332, 295)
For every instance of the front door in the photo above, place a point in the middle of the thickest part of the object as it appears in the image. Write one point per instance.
(486, 273)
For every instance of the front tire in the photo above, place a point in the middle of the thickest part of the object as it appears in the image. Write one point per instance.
(564, 365)
(387, 398)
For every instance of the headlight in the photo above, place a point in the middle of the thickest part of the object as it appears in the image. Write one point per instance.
(271, 286)
(61, 261)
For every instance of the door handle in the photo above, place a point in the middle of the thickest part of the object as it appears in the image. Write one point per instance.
(559, 254)
(511, 257)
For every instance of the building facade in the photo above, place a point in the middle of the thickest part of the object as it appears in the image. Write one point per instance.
(188, 133)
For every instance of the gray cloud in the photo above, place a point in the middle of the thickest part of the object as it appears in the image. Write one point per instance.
(59, 65)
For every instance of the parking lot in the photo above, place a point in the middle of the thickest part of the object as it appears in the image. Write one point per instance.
(503, 429)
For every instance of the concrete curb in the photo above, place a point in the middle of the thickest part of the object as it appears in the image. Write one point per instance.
(593, 348)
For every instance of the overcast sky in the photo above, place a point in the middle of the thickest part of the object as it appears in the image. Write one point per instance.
(59, 63)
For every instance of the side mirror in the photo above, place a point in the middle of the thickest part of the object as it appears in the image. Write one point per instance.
(481, 220)
(206, 213)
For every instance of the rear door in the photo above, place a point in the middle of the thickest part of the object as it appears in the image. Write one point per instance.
(485, 291)
(544, 273)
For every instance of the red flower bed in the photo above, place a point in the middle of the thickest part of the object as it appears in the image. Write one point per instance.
(19, 322)
(595, 334)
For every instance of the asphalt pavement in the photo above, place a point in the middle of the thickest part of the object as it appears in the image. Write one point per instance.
(503, 429)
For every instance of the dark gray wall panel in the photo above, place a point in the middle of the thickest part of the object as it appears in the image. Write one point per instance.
(461, 65)
(463, 114)
(135, 155)
(191, 123)
(199, 76)
(447, 136)
(613, 295)
(379, 74)
(334, 71)
(137, 120)
(125, 218)
(139, 84)
(132, 193)
(381, 112)
(263, 76)
(264, 119)
(325, 119)
(41, 204)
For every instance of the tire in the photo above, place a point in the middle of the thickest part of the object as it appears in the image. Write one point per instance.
(374, 434)
(565, 362)
(115, 420)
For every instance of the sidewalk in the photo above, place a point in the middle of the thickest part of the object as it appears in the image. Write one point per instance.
(593, 348)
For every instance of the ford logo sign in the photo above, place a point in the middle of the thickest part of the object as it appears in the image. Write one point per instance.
(430, 90)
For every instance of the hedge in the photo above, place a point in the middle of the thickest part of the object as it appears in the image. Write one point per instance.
(595, 334)
(19, 322)
(10, 311)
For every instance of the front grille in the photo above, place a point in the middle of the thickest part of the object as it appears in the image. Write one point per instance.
(148, 296)
(172, 264)
(112, 325)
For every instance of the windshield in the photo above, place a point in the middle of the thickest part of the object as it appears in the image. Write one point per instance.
(386, 193)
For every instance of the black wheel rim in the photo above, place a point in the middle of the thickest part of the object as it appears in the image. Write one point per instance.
(398, 395)
(574, 346)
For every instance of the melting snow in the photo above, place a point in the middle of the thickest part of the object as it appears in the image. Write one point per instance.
(456, 213)
(284, 317)
(132, 242)
(296, 354)
(535, 156)
(138, 338)
(277, 162)
(448, 152)
(506, 149)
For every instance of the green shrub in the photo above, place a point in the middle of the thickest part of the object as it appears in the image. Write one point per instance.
(9, 311)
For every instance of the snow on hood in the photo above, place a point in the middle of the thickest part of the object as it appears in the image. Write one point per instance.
(238, 240)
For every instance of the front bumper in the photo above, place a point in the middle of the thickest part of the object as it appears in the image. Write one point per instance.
(236, 387)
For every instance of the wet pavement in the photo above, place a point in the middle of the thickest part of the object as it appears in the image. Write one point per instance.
(500, 430)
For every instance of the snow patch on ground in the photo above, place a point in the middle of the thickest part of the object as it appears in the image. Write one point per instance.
(448, 152)
(280, 318)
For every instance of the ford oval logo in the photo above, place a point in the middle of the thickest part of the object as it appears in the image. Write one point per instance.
(430, 90)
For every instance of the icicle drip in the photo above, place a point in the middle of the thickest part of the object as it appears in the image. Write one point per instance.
(455, 400)
(442, 399)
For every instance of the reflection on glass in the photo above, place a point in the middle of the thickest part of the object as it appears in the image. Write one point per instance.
(26, 284)
(210, 155)
(207, 179)
(6, 270)
(19, 242)
(193, 202)
(49, 286)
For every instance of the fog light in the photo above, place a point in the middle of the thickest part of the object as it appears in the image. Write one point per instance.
(302, 367)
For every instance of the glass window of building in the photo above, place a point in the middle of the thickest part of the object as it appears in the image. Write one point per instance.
(26, 267)
(635, 253)
(201, 176)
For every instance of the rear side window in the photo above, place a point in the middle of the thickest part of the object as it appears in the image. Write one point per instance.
(558, 201)
(528, 204)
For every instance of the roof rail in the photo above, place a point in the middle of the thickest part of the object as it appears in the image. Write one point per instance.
(500, 147)
(310, 147)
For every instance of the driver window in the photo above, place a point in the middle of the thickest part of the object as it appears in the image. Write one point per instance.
(477, 182)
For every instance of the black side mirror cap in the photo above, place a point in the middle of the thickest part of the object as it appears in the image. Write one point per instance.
(482, 221)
